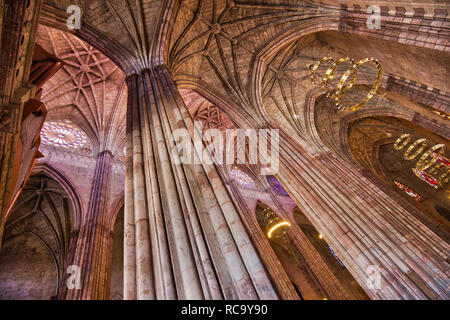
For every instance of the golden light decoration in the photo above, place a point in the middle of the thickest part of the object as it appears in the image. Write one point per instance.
(423, 165)
(347, 80)
(420, 142)
(402, 141)
(442, 162)
(277, 226)
(437, 161)
(442, 114)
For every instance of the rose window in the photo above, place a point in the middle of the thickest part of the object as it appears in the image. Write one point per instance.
(242, 178)
(63, 135)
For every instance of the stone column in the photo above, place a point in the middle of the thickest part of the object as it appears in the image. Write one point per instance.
(93, 239)
(144, 271)
(129, 270)
(200, 248)
(18, 27)
(245, 268)
(367, 229)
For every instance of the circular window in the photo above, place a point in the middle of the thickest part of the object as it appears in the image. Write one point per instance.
(242, 178)
(63, 135)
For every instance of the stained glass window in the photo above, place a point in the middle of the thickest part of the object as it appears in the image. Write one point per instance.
(441, 159)
(276, 185)
(63, 135)
(430, 180)
(335, 256)
(408, 191)
(242, 178)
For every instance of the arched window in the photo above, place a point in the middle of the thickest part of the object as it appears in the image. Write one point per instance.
(242, 178)
(408, 191)
(276, 185)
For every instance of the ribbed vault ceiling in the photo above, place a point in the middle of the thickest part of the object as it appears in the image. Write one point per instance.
(214, 43)
(90, 90)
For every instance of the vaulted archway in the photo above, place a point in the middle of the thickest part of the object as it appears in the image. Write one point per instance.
(37, 241)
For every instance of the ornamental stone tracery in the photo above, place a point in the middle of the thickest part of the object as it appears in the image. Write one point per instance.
(210, 116)
(63, 135)
(84, 66)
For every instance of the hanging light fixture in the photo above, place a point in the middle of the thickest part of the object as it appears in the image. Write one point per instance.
(347, 80)
(276, 227)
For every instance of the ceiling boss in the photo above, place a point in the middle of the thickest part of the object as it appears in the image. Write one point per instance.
(337, 90)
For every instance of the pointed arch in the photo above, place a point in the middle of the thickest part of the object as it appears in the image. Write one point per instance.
(68, 187)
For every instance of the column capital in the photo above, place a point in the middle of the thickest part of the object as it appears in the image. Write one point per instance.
(131, 77)
(104, 153)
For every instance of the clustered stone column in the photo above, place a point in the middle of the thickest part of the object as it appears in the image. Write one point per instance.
(366, 228)
(91, 254)
(194, 245)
